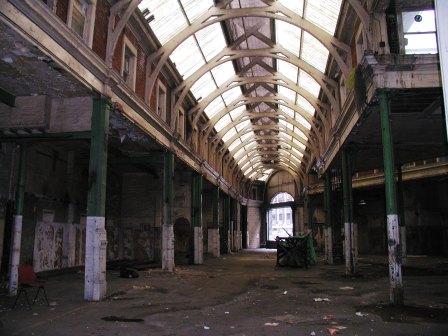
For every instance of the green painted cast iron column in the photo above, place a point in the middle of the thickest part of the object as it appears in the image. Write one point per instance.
(328, 231)
(197, 218)
(393, 230)
(96, 239)
(168, 201)
(349, 248)
(16, 235)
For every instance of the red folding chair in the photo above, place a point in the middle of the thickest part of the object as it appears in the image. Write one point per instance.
(27, 281)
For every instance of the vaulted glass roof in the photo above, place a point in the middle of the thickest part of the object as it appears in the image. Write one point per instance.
(267, 124)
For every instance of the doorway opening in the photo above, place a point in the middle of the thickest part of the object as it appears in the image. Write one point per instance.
(280, 217)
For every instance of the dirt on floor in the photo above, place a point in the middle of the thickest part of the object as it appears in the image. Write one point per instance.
(243, 294)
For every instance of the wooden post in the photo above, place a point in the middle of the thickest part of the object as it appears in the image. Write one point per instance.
(393, 230)
(96, 239)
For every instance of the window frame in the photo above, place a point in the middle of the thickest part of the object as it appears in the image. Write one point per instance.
(89, 25)
(161, 86)
(133, 76)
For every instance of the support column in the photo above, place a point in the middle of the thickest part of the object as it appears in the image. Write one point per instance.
(96, 239)
(441, 9)
(349, 230)
(393, 231)
(196, 217)
(401, 216)
(213, 232)
(167, 226)
(16, 235)
(328, 230)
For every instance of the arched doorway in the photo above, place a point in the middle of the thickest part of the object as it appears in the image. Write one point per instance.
(280, 216)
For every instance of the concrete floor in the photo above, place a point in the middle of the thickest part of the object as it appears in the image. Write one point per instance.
(243, 294)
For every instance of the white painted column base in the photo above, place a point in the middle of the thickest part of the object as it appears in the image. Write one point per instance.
(403, 245)
(213, 242)
(328, 241)
(167, 248)
(15, 255)
(198, 246)
(95, 263)
(349, 248)
(395, 277)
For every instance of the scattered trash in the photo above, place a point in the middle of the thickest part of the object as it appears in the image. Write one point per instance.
(328, 317)
(334, 330)
(361, 314)
(321, 299)
(346, 288)
(35, 314)
(285, 292)
(312, 333)
(226, 313)
(206, 328)
(271, 324)
(53, 303)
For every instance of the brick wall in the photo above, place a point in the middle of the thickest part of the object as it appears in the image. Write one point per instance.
(62, 9)
(100, 31)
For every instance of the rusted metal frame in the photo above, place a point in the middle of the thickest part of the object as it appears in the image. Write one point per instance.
(124, 8)
(215, 15)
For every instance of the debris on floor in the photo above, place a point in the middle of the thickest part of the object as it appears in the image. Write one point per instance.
(271, 324)
(321, 299)
(336, 329)
(361, 314)
(346, 288)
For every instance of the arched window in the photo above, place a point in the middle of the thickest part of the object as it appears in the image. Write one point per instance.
(279, 218)
(281, 198)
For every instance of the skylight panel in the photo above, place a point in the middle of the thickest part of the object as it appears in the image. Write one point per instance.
(211, 40)
(203, 86)
(263, 178)
(223, 122)
(302, 121)
(297, 153)
(323, 13)
(214, 107)
(287, 110)
(223, 72)
(288, 93)
(195, 8)
(235, 113)
(187, 57)
(305, 104)
(248, 171)
(248, 135)
(230, 95)
(242, 125)
(238, 154)
(314, 52)
(229, 134)
(300, 133)
(294, 5)
(287, 69)
(169, 19)
(234, 144)
(242, 159)
(298, 143)
(288, 36)
(309, 83)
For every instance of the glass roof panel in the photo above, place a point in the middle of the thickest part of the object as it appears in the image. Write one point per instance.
(294, 5)
(235, 113)
(314, 52)
(230, 95)
(211, 40)
(323, 13)
(214, 107)
(290, 94)
(204, 86)
(168, 18)
(300, 133)
(235, 144)
(309, 83)
(240, 151)
(229, 134)
(248, 135)
(223, 122)
(195, 8)
(287, 69)
(187, 57)
(302, 121)
(288, 36)
(242, 125)
(263, 178)
(223, 72)
(298, 143)
(287, 110)
(305, 104)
